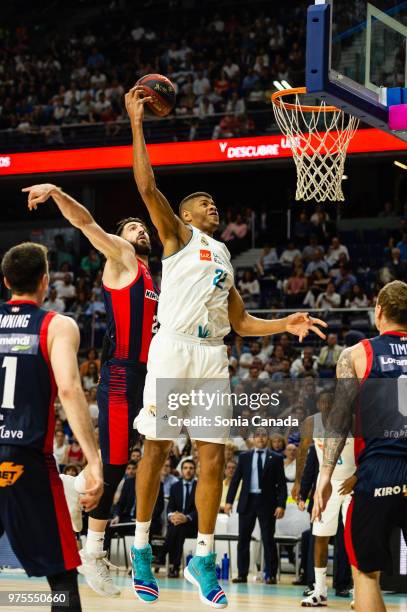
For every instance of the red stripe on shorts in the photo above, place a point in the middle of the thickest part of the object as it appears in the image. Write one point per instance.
(66, 534)
(348, 536)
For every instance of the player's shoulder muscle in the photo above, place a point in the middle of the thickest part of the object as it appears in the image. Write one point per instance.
(352, 362)
(64, 327)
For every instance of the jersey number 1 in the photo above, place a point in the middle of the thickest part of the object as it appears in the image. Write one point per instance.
(10, 365)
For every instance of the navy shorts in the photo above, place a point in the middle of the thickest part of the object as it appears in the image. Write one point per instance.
(119, 399)
(379, 505)
(33, 512)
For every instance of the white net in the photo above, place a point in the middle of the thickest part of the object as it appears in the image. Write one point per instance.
(319, 140)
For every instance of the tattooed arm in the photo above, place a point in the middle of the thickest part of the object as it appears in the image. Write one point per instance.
(339, 422)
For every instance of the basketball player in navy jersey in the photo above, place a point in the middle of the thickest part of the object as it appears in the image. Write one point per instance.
(198, 303)
(371, 373)
(38, 359)
(131, 302)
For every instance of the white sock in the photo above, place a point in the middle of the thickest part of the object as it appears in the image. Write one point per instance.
(204, 544)
(94, 541)
(141, 534)
(320, 580)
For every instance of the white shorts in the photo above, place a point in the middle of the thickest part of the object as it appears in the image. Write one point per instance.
(328, 524)
(183, 364)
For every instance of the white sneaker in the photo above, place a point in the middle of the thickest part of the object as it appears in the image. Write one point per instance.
(314, 600)
(95, 568)
(72, 499)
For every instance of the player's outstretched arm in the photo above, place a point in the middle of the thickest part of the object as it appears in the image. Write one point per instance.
(338, 426)
(111, 246)
(244, 324)
(173, 233)
(63, 344)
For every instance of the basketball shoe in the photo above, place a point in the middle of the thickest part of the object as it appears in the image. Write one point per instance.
(314, 600)
(144, 584)
(95, 568)
(201, 571)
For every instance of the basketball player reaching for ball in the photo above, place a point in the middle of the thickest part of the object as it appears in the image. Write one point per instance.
(131, 303)
(38, 359)
(197, 301)
(372, 372)
(314, 429)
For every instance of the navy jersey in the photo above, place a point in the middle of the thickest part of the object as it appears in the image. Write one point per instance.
(27, 385)
(382, 408)
(131, 318)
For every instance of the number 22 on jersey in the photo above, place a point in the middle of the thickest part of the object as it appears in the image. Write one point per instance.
(220, 278)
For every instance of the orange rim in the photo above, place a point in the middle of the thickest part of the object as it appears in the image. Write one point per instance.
(277, 95)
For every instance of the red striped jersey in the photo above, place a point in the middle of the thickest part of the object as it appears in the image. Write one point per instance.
(131, 317)
(27, 385)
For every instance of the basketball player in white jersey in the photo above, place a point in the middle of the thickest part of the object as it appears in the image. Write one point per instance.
(314, 430)
(198, 302)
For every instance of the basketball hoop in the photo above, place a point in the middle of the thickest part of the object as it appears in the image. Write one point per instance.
(319, 137)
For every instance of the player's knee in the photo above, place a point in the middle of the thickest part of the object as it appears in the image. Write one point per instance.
(66, 583)
(156, 452)
(112, 475)
(366, 576)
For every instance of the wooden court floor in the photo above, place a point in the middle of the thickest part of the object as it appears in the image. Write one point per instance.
(178, 595)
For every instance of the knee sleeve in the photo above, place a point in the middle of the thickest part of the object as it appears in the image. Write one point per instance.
(112, 475)
(66, 582)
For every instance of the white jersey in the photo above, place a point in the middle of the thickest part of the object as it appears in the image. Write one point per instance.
(346, 465)
(195, 288)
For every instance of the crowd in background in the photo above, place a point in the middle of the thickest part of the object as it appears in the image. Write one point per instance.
(222, 62)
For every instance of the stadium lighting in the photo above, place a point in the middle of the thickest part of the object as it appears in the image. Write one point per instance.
(281, 85)
(400, 165)
(345, 177)
(286, 85)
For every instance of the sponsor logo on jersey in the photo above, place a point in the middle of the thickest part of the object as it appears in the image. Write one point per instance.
(204, 241)
(205, 255)
(151, 295)
(6, 434)
(19, 343)
(9, 473)
(387, 363)
(217, 259)
(386, 491)
(15, 309)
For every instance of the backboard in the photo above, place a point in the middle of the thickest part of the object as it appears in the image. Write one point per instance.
(356, 49)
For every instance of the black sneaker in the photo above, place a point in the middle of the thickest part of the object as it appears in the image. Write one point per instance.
(239, 580)
(342, 593)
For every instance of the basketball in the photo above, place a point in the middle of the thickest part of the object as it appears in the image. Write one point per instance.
(161, 90)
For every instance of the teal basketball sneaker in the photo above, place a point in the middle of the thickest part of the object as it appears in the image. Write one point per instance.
(201, 571)
(144, 584)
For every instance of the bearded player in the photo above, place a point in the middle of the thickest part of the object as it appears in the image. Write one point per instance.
(373, 372)
(131, 303)
(198, 302)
